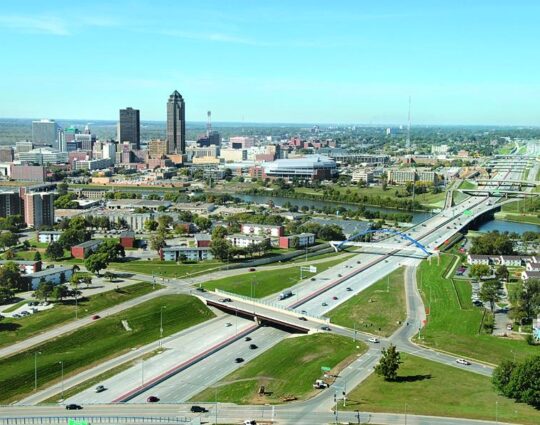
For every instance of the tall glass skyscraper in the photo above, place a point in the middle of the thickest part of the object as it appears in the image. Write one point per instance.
(46, 132)
(176, 124)
(129, 128)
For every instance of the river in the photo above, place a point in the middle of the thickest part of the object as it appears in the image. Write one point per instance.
(417, 216)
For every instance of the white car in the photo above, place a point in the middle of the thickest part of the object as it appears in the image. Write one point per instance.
(374, 340)
(463, 362)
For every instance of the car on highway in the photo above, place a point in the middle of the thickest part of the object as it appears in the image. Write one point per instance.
(302, 318)
(239, 360)
(324, 304)
(96, 316)
(16, 316)
(248, 338)
(152, 399)
(334, 297)
(463, 362)
(250, 422)
(228, 324)
(100, 388)
(252, 347)
(252, 269)
(325, 328)
(73, 406)
(374, 340)
(225, 300)
(349, 289)
(198, 409)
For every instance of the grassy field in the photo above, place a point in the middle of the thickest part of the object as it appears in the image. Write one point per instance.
(466, 184)
(381, 314)
(519, 218)
(429, 388)
(267, 282)
(167, 269)
(522, 206)
(15, 306)
(13, 330)
(456, 327)
(288, 369)
(95, 343)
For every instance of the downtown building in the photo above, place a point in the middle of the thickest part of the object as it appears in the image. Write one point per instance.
(46, 132)
(129, 127)
(176, 124)
(39, 209)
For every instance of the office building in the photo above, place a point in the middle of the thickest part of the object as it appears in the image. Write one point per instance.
(24, 146)
(6, 154)
(311, 167)
(39, 209)
(157, 148)
(10, 203)
(109, 151)
(92, 164)
(32, 173)
(241, 142)
(176, 124)
(362, 174)
(129, 127)
(44, 156)
(86, 140)
(46, 132)
(70, 132)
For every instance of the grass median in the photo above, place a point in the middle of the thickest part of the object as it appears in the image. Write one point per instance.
(267, 282)
(15, 330)
(425, 387)
(287, 370)
(377, 309)
(103, 339)
(456, 326)
(167, 269)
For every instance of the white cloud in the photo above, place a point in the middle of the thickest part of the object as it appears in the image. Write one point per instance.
(35, 24)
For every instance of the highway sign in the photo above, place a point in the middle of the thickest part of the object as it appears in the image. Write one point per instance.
(76, 422)
(312, 269)
(326, 368)
(467, 213)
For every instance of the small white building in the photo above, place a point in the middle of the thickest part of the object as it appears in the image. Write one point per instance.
(304, 239)
(526, 275)
(479, 259)
(175, 253)
(511, 260)
(243, 241)
(532, 267)
(262, 229)
(52, 275)
(48, 236)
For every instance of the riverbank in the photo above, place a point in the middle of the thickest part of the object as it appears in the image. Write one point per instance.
(518, 218)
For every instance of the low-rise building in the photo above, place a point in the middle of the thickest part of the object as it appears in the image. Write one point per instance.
(526, 275)
(262, 229)
(48, 236)
(127, 239)
(202, 240)
(243, 241)
(26, 267)
(85, 249)
(54, 275)
(479, 259)
(362, 174)
(532, 266)
(512, 260)
(176, 253)
(304, 239)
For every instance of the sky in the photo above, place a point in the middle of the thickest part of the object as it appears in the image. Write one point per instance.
(461, 62)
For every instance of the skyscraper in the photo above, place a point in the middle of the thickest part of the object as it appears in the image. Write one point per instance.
(39, 209)
(176, 124)
(46, 132)
(129, 128)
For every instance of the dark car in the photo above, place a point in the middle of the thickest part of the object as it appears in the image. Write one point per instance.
(96, 316)
(152, 399)
(302, 318)
(198, 409)
(252, 347)
(73, 407)
(349, 289)
(334, 298)
(239, 360)
(225, 300)
(325, 328)
(248, 338)
(252, 269)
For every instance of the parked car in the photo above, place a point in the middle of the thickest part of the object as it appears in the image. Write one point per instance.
(334, 297)
(73, 406)
(228, 324)
(152, 399)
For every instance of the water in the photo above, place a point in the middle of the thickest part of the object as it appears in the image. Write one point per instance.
(417, 217)
(508, 226)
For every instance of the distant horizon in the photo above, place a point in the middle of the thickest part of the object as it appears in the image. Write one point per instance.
(290, 124)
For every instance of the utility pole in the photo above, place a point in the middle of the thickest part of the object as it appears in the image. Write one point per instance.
(62, 376)
(161, 325)
(35, 369)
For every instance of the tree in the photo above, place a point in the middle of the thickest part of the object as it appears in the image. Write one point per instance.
(164, 221)
(150, 225)
(8, 239)
(109, 275)
(520, 381)
(60, 292)
(492, 243)
(62, 188)
(9, 255)
(526, 300)
(219, 232)
(43, 290)
(389, 363)
(6, 295)
(112, 249)
(203, 223)
(157, 242)
(502, 272)
(74, 236)
(96, 262)
(479, 270)
(220, 249)
(502, 375)
(37, 256)
(490, 292)
(10, 277)
(55, 251)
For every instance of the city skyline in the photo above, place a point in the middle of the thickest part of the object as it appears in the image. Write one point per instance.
(279, 63)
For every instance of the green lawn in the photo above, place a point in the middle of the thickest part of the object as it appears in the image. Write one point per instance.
(288, 369)
(425, 387)
(376, 309)
(267, 282)
(168, 269)
(457, 330)
(519, 218)
(467, 184)
(13, 330)
(97, 342)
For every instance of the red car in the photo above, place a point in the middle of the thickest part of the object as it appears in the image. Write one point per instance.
(95, 317)
(252, 269)
(334, 298)
(152, 399)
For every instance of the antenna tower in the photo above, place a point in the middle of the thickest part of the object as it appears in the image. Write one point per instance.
(208, 123)
(408, 143)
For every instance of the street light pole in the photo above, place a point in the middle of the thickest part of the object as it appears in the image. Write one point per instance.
(35, 369)
(161, 325)
(62, 376)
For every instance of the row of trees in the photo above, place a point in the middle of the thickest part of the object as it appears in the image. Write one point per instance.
(519, 381)
(109, 251)
(525, 301)
(492, 243)
(11, 281)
